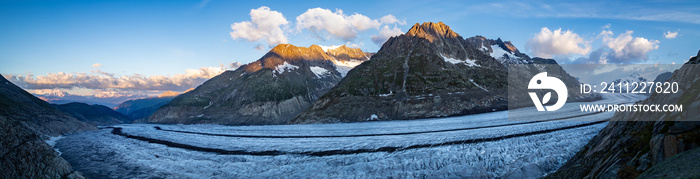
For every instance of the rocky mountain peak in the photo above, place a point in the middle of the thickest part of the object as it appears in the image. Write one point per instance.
(432, 31)
(287, 53)
(353, 53)
(507, 45)
(695, 59)
(291, 52)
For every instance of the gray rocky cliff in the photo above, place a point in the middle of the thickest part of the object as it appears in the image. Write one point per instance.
(26, 122)
(634, 142)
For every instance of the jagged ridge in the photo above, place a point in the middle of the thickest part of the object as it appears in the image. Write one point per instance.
(271, 90)
(430, 71)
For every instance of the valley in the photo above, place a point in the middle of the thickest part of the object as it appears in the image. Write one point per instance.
(487, 144)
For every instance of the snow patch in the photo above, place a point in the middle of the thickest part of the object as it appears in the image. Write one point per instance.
(319, 71)
(499, 53)
(373, 117)
(210, 103)
(52, 142)
(345, 66)
(326, 48)
(385, 95)
(284, 67)
(468, 62)
(477, 85)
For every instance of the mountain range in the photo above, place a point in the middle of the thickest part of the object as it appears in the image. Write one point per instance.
(271, 90)
(430, 71)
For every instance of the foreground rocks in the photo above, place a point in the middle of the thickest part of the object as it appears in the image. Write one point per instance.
(636, 142)
(26, 122)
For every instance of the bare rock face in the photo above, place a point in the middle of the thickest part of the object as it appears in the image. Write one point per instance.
(430, 71)
(344, 53)
(634, 142)
(26, 121)
(271, 90)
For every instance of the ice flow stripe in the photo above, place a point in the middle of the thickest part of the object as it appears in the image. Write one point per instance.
(118, 131)
(371, 135)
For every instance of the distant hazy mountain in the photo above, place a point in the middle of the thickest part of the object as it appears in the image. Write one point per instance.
(26, 122)
(139, 109)
(634, 143)
(430, 71)
(142, 108)
(271, 90)
(94, 114)
(61, 97)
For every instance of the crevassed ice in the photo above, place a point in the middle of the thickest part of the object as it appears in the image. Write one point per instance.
(284, 67)
(319, 71)
(468, 62)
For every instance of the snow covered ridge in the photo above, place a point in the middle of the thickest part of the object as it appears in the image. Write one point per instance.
(284, 67)
(499, 53)
(345, 66)
(319, 71)
(468, 62)
(326, 48)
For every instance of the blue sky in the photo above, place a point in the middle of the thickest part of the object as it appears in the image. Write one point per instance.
(142, 39)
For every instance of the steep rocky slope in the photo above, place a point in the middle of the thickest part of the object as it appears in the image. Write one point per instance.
(26, 121)
(430, 71)
(634, 142)
(271, 90)
(95, 114)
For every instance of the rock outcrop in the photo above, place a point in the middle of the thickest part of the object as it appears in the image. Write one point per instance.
(430, 71)
(95, 114)
(271, 90)
(634, 142)
(26, 122)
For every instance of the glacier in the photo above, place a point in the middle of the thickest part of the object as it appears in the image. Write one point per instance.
(486, 145)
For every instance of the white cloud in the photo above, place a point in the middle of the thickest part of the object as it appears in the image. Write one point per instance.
(335, 24)
(327, 24)
(264, 25)
(259, 47)
(99, 80)
(385, 34)
(362, 23)
(626, 47)
(623, 49)
(96, 65)
(606, 26)
(548, 43)
(670, 35)
(391, 19)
